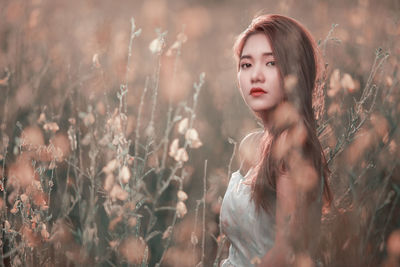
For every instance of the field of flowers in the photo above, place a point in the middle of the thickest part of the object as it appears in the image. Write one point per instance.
(120, 123)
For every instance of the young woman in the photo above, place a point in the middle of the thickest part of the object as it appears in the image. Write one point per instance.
(271, 211)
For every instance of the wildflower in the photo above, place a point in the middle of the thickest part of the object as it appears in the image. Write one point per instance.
(40, 199)
(130, 206)
(7, 226)
(72, 121)
(348, 83)
(173, 47)
(44, 233)
(15, 207)
(392, 147)
(95, 61)
(131, 159)
(290, 82)
(24, 198)
(125, 175)
(193, 138)
(181, 38)
(51, 126)
(42, 118)
(60, 146)
(388, 81)
(21, 172)
(86, 139)
(30, 237)
(181, 155)
(113, 243)
(37, 185)
(35, 219)
(181, 209)
(88, 118)
(111, 166)
(182, 196)
(115, 122)
(193, 239)
(380, 126)
(362, 141)
(52, 165)
(4, 81)
(183, 125)
(285, 115)
(118, 193)
(156, 45)
(295, 137)
(32, 136)
(108, 182)
(334, 83)
(173, 148)
(150, 131)
(220, 238)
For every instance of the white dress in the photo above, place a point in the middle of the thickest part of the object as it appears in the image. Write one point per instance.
(251, 234)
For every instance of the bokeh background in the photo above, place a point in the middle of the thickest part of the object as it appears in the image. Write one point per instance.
(84, 151)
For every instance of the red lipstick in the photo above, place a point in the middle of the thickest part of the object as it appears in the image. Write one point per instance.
(257, 91)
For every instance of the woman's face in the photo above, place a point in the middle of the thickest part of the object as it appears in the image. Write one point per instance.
(258, 75)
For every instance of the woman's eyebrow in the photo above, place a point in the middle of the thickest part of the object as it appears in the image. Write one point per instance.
(266, 54)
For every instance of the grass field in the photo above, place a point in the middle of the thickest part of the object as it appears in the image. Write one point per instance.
(120, 122)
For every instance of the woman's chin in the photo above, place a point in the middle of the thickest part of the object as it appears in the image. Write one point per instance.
(262, 109)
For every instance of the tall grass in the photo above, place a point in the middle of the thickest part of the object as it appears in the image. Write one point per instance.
(99, 179)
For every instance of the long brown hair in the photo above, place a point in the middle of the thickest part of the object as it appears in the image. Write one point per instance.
(292, 137)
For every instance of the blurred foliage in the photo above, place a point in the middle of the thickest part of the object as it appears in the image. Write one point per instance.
(116, 149)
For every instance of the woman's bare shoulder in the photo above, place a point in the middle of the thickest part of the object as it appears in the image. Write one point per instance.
(249, 150)
(250, 138)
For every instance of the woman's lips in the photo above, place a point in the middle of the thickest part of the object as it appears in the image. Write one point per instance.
(257, 91)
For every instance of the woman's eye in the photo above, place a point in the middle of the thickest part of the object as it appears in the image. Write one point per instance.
(271, 63)
(245, 65)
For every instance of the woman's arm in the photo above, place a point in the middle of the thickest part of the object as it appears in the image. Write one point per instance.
(281, 253)
(298, 215)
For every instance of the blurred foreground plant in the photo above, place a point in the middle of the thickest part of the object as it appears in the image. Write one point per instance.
(78, 190)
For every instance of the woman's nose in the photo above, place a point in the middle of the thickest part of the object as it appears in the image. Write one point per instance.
(257, 75)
